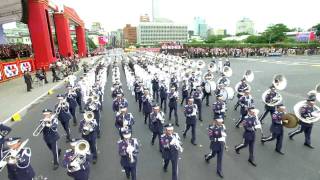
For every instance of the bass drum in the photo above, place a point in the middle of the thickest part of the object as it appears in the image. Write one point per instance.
(224, 94)
(230, 93)
(210, 87)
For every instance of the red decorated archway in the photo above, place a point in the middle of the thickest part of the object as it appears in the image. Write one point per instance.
(41, 34)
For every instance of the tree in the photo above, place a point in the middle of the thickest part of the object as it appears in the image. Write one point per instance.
(214, 38)
(317, 28)
(242, 33)
(276, 33)
(91, 44)
(256, 39)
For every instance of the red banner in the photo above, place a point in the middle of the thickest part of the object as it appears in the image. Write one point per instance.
(102, 40)
(13, 69)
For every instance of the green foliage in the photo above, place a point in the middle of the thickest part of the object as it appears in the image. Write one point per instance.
(256, 39)
(91, 44)
(312, 44)
(317, 27)
(275, 33)
(243, 33)
(214, 38)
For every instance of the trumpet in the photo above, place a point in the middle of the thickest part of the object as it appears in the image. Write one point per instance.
(130, 149)
(176, 143)
(43, 123)
(11, 155)
(82, 148)
(62, 105)
(89, 125)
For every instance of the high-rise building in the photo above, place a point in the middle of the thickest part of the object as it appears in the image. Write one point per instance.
(144, 18)
(245, 25)
(130, 35)
(210, 32)
(200, 27)
(154, 32)
(96, 26)
(220, 32)
(155, 10)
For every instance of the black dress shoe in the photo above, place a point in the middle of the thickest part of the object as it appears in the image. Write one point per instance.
(55, 166)
(252, 163)
(262, 141)
(194, 143)
(280, 152)
(152, 143)
(237, 150)
(177, 124)
(206, 159)
(290, 137)
(94, 161)
(308, 145)
(128, 176)
(220, 174)
(200, 120)
(184, 135)
(165, 169)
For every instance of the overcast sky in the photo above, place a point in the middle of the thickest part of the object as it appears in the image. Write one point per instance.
(115, 14)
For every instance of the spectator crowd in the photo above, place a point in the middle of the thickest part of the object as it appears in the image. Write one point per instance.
(192, 52)
(12, 51)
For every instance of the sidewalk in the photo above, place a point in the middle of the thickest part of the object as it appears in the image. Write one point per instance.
(14, 96)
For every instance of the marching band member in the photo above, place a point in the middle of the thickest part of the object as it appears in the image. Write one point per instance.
(140, 95)
(147, 107)
(155, 87)
(163, 96)
(173, 98)
(117, 90)
(306, 112)
(184, 89)
(156, 123)
(190, 111)
(137, 89)
(95, 107)
(77, 165)
(119, 101)
(241, 89)
(227, 63)
(51, 135)
(276, 128)
(203, 85)
(192, 80)
(224, 80)
(128, 149)
(246, 102)
(63, 115)
(18, 162)
(217, 135)
(219, 107)
(250, 124)
(170, 147)
(174, 81)
(4, 131)
(269, 99)
(197, 96)
(79, 97)
(71, 99)
(88, 130)
(124, 121)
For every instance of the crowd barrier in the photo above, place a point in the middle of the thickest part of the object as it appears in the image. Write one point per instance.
(14, 69)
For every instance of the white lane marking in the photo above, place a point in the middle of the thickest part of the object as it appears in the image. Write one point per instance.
(34, 101)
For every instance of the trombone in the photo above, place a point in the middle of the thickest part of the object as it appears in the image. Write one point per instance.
(43, 123)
